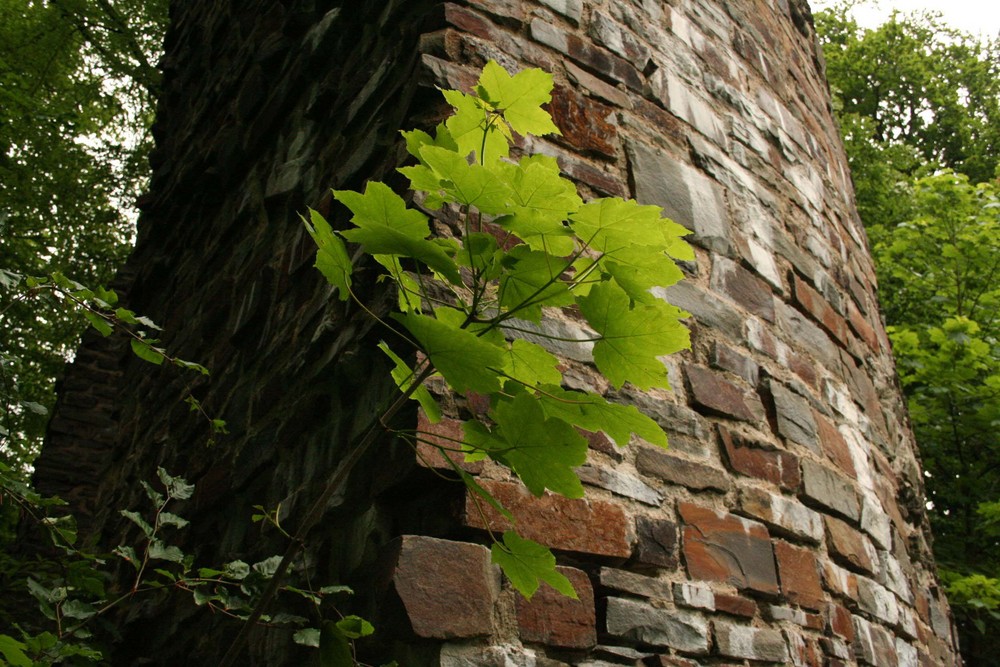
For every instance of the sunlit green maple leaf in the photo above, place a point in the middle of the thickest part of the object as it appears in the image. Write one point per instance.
(532, 364)
(386, 227)
(465, 360)
(531, 281)
(467, 126)
(520, 97)
(632, 337)
(638, 268)
(464, 183)
(526, 563)
(540, 202)
(332, 259)
(595, 413)
(543, 452)
(609, 224)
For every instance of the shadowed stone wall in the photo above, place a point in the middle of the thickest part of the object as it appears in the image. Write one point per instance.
(785, 525)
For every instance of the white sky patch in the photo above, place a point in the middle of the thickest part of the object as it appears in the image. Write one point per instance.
(979, 18)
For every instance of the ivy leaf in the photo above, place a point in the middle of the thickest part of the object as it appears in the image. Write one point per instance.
(465, 360)
(520, 97)
(332, 259)
(532, 364)
(594, 413)
(632, 337)
(526, 563)
(532, 281)
(543, 452)
(473, 119)
(403, 375)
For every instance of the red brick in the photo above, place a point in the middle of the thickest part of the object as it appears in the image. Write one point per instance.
(814, 304)
(554, 619)
(834, 445)
(584, 122)
(719, 546)
(779, 468)
(735, 605)
(447, 588)
(840, 581)
(581, 525)
(799, 574)
(719, 396)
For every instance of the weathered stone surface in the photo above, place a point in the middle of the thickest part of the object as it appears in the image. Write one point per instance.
(742, 287)
(735, 605)
(504, 655)
(719, 396)
(775, 466)
(741, 641)
(554, 619)
(840, 581)
(679, 470)
(656, 542)
(719, 546)
(619, 483)
(849, 546)
(584, 123)
(585, 526)
(438, 441)
(822, 486)
(805, 619)
(685, 194)
(692, 595)
(799, 575)
(873, 645)
(783, 514)
(878, 601)
(795, 416)
(636, 584)
(447, 588)
(639, 621)
(839, 621)
(813, 303)
(726, 358)
(834, 445)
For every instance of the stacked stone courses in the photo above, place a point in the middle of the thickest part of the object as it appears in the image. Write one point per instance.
(784, 525)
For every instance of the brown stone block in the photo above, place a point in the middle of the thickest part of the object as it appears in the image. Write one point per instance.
(722, 397)
(656, 542)
(818, 307)
(441, 440)
(554, 619)
(779, 468)
(743, 287)
(447, 588)
(735, 605)
(834, 445)
(849, 546)
(677, 470)
(581, 525)
(584, 122)
(719, 546)
(799, 574)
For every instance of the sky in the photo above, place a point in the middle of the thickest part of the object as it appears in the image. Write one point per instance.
(978, 17)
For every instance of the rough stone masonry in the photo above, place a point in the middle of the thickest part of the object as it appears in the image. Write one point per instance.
(785, 525)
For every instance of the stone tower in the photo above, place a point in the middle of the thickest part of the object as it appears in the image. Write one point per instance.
(785, 525)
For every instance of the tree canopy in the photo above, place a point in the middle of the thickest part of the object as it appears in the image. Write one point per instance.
(77, 86)
(919, 109)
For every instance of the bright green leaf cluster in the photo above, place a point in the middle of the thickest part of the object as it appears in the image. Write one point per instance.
(528, 246)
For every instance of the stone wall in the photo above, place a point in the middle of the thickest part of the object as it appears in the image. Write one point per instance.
(785, 525)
